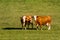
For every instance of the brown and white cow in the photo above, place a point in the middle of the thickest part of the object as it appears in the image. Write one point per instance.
(43, 20)
(26, 20)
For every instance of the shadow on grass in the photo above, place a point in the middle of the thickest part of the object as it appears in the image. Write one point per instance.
(18, 29)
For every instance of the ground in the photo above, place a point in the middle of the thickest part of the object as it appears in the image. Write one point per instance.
(12, 10)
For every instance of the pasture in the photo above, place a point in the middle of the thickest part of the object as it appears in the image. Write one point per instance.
(11, 10)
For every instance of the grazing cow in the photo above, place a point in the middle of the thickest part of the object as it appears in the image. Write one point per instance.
(43, 20)
(26, 20)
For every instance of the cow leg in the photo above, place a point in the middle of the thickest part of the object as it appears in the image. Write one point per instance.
(49, 27)
(25, 26)
(37, 26)
(32, 25)
(40, 27)
(28, 25)
(22, 26)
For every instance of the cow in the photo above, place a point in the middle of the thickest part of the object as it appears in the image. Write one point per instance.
(43, 20)
(26, 20)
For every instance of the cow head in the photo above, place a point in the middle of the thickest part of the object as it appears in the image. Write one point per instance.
(35, 17)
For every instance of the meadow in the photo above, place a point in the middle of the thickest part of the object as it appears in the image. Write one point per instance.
(12, 10)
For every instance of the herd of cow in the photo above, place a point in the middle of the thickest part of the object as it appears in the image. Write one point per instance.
(38, 20)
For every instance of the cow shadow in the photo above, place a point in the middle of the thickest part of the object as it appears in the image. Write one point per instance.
(18, 29)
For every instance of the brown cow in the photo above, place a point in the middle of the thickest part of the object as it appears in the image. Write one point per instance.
(26, 20)
(43, 20)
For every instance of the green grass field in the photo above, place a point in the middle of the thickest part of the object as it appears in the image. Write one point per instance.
(11, 10)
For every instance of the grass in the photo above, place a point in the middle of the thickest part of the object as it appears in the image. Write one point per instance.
(29, 35)
(11, 10)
